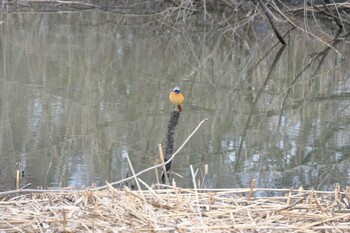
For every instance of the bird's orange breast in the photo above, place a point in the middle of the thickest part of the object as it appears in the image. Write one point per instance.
(176, 98)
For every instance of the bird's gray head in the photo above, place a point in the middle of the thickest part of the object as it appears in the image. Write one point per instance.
(176, 89)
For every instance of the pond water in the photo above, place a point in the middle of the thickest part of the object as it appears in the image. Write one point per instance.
(82, 91)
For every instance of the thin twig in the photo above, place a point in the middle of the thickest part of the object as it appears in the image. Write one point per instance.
(158, 165)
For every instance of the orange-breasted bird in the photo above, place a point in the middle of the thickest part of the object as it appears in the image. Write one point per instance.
(176, 97)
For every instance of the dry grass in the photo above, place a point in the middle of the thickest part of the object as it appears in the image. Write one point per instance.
(177, 210)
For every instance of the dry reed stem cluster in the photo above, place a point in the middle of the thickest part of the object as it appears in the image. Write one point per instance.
(177, 210)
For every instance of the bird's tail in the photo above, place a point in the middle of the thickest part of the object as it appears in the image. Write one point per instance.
(180, 109)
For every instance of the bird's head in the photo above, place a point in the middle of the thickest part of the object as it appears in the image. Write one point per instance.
(176, 89)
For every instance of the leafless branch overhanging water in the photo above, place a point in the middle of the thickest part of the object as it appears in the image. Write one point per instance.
(268, 77)
(320, 56)
(268, 13)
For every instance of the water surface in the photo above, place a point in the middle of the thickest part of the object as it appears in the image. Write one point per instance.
(82, 91)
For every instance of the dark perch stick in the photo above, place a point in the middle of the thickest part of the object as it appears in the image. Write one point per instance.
(169, 141)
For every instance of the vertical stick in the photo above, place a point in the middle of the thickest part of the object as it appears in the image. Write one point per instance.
(205, 174)
(195, 188)
(17, 179)
(252, 186)
(47, 173)
(169, 141)
(162, 159)
(64, 220)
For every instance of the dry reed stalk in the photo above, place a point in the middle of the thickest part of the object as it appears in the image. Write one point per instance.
(176, 209)
(17, 179)
(252, 185)
(161, 155)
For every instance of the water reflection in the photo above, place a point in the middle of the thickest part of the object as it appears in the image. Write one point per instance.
(81, 91)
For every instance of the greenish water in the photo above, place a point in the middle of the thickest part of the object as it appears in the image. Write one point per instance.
(81, 91)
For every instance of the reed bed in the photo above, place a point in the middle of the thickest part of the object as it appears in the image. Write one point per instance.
(173, 209)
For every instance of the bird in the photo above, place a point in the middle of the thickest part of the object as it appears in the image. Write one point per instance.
(176, 97)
